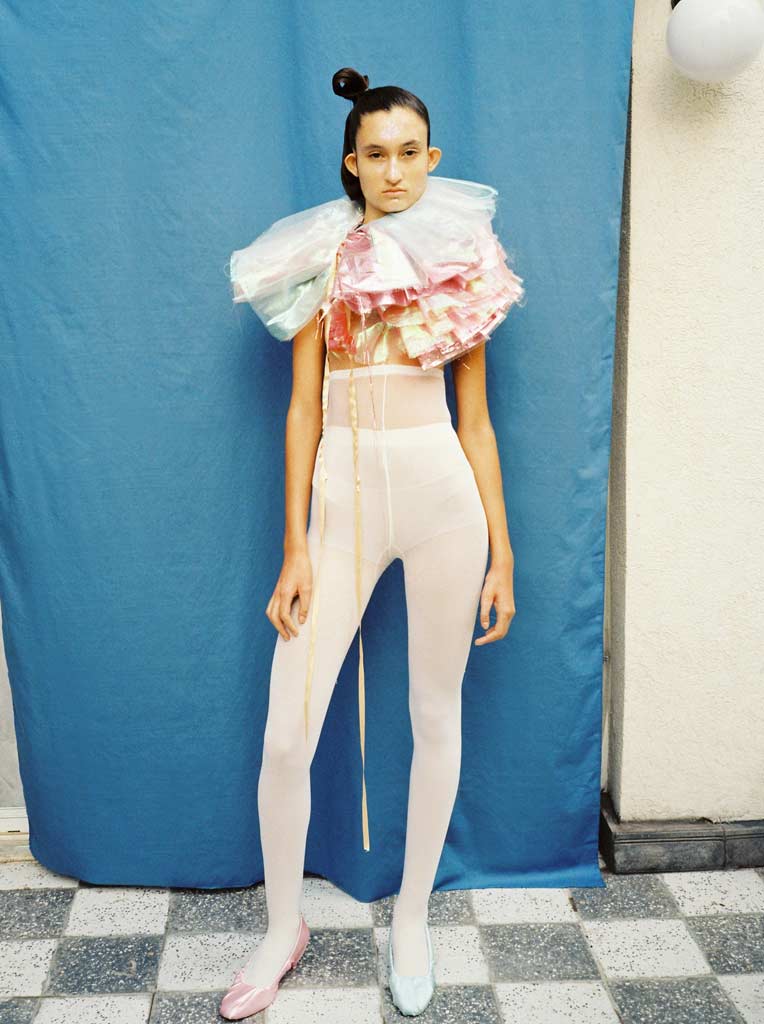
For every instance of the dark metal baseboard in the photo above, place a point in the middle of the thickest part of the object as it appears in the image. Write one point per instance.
(631, 847)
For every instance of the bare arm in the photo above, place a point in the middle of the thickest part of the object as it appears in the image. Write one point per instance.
(477, 437)
(303, 432)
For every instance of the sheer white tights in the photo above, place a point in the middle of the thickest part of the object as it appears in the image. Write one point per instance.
(420, 503)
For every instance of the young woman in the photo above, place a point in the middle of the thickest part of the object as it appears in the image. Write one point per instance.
(378, 290)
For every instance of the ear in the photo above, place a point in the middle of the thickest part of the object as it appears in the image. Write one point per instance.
(352, 163)
(435, 155)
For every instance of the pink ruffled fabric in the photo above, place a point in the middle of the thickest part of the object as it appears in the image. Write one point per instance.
(441, 309)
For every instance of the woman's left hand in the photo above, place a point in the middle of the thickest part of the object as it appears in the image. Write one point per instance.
(498, 592)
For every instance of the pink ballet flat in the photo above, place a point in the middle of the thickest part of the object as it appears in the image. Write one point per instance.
(241, 1000)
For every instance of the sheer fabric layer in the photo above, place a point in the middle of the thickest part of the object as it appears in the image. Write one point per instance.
(390, 477)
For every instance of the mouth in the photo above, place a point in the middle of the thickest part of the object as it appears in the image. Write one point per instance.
(394, 191)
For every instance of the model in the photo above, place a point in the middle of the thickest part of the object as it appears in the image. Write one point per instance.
(378, 290)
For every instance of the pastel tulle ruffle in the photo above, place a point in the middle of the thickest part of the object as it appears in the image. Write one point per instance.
(431, 281)
(440, 307)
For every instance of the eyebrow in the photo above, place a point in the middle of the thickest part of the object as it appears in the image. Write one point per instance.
(376, 145)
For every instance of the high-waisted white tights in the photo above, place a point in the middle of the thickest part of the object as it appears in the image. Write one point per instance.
(419, 503)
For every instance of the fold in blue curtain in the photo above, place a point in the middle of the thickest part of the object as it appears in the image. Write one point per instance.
(142, 425)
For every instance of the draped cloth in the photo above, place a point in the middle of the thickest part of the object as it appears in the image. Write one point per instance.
(139, 410)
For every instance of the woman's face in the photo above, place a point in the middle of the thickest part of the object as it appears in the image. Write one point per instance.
(391, 153)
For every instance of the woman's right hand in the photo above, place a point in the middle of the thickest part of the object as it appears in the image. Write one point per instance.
(295, 580)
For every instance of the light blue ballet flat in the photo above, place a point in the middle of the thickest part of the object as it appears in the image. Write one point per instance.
(411, 993)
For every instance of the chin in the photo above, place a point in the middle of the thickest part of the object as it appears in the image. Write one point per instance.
(400, 202)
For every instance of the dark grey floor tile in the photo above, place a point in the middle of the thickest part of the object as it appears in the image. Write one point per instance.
(450, 1004)
(626, 896)
(675, 1001)
(92, 964)
(452, 907)
(188, 1008)
(18, 1010)
(732, 943)
(336, 957)
(537, 952)
(218, 910)
(34, 913)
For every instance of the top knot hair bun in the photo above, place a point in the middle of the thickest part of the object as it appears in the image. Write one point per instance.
(349, 83)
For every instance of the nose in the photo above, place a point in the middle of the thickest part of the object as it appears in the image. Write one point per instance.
(393, 176)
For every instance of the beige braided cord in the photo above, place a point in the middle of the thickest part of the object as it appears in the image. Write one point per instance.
(358, 569)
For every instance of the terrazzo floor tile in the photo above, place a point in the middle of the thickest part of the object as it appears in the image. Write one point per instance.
(458, 956)
(674, 1001)
(645, 948)
(100, 964)
(326, 906)
(506, 906)
(193, 962)
(24, 965)
(133, 1009)
(733, 943)
(337, 957)
(118, 910)
(555, 1002)
(34, 913)
(626, 896)
(450, 1004)
(747, 993)
(537, 952)
(717, 892)
(452, 906)
(191, 1008)
(30, 874)
(218, 910)
(18, 1010)
(324, 1006)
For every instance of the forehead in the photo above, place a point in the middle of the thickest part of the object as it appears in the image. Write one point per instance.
(390, 127)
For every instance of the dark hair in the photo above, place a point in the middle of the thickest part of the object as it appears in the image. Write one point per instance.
(352, 85)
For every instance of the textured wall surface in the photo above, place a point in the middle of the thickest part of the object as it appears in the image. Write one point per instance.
(686, 677)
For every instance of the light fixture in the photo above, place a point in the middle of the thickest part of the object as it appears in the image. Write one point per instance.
(714, 40)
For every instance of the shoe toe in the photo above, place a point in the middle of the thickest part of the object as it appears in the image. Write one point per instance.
(241, 1000)
(412, 995)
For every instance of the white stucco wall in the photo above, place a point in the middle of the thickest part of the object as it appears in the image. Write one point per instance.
(686, 560)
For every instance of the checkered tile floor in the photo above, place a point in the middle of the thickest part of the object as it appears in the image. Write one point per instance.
(677, 948)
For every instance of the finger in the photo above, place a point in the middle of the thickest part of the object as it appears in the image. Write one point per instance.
(493, 634)
(485, 608)
(272, 615)
(304, 602)
(281, 627)
(278, 625)
(279, 614)
(286, 618)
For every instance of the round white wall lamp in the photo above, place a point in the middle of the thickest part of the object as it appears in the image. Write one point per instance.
(714, 40)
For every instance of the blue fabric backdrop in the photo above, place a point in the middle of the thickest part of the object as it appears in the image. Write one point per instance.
(142, 429)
